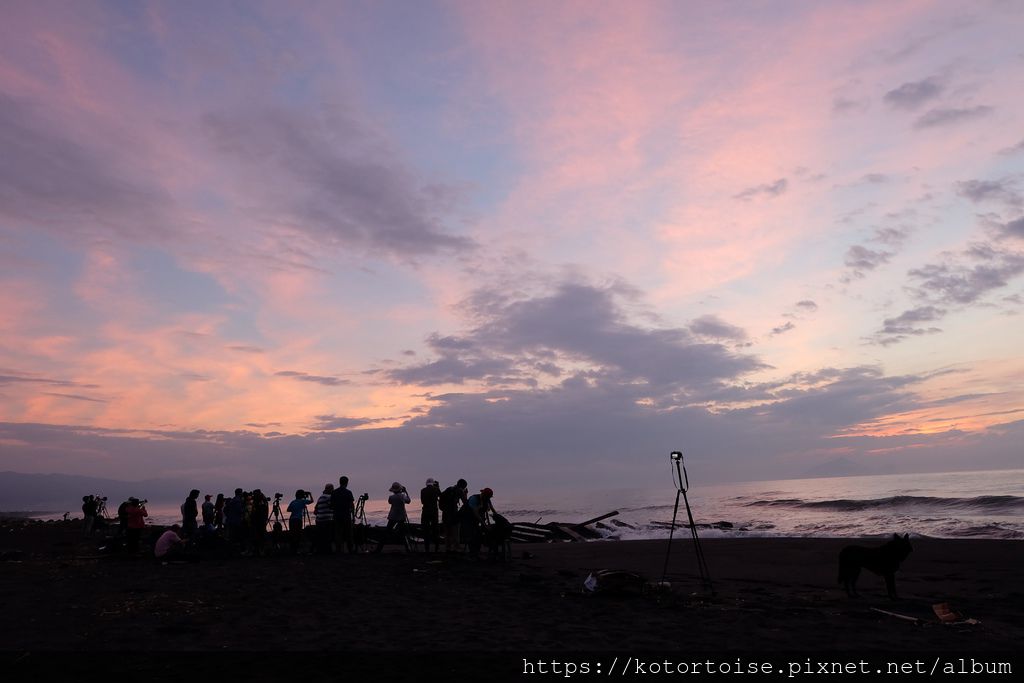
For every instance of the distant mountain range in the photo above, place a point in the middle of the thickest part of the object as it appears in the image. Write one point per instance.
(63, 492)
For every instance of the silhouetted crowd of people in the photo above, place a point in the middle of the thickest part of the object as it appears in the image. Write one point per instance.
(251, 523)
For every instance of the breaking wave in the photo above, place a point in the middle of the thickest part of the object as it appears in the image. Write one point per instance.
(979, 504)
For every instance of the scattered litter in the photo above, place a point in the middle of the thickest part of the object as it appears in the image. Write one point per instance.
(947, 616)
(918, 621)
(606, 581)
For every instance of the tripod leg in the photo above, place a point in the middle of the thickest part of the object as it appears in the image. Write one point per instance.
(671, 533)
(702, 565)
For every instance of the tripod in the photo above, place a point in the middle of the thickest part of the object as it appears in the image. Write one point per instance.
(360, 513)
(359, 523)
(275, 515)
(682, 483)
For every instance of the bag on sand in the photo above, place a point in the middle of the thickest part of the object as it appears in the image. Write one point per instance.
(606, 581)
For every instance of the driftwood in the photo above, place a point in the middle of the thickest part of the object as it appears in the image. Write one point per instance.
(527, 532)
(598, 519)
(530, 532)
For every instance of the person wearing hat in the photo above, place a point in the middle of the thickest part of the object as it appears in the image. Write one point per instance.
(474, 518)
(429, 497)
(398, 499)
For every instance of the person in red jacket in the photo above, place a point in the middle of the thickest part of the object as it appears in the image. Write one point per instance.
(136, 514)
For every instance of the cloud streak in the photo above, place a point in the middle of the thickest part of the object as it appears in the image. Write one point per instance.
(327, 175)
(939, 118)
(910, 96)
(773, 189)
(325, 380)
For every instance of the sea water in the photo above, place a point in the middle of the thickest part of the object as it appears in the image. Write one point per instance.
(944, 505)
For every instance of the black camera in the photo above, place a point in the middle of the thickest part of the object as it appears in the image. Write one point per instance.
(676, 455)
(365, 497)
(278, 496)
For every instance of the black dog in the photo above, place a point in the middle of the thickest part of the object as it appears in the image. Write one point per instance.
(498, 536)
(884, 561)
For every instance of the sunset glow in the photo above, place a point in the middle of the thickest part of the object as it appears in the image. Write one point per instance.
(530, 239)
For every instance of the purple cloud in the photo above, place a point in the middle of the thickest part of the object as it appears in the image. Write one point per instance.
(327, 381)
(329, 176)
(576, 323)
(912, 95)
(946, 117)
(769, 189)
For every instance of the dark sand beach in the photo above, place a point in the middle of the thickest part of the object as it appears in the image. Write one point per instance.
(69, 611)
(770, 594)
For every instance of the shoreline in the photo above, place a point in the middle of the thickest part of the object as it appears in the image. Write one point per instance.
(706, 532)
(770, 594)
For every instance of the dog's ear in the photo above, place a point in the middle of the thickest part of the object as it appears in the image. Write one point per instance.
(906, 537)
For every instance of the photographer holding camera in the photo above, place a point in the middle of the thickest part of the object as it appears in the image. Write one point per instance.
(135, 513)
(89, 508)
(297, 512)
(396, 517)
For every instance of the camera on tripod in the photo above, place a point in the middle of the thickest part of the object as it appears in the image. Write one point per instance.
(365, 497)
(278, 496)
(682, 483)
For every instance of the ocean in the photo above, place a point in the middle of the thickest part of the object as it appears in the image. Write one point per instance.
(944, 505)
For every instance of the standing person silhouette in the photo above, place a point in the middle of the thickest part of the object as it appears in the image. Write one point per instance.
(324, 514)
(190, 513)
(474, 519)
(451, 499)
(344, 515)
(398, 499)
(429, 497)
(296, 511)
(208, 510)
(136, 521)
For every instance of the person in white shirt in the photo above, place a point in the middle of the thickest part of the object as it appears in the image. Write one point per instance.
(169, 545)
(397, 517)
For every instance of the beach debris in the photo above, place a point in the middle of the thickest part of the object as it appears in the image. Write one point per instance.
(605, 581)
(948, 616)
(531, 532)
(906, 617)
(571, 533)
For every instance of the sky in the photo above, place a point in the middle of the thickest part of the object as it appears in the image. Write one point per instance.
(533, 244)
